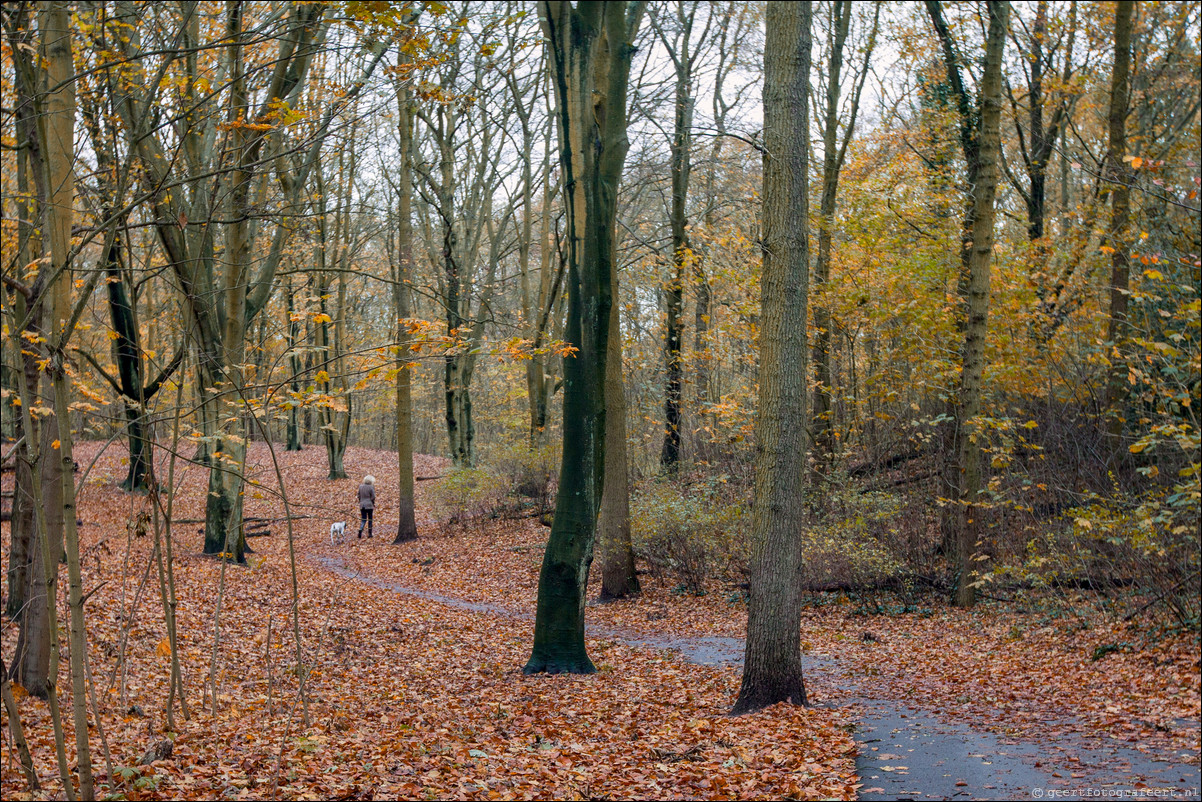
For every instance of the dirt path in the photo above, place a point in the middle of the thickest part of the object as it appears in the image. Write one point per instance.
(907, 752)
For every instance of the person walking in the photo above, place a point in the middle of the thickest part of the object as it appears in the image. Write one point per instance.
(367, 503)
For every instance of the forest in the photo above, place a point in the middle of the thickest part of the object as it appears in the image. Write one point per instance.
(755, 399)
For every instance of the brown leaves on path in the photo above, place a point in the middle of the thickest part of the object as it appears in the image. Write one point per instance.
(409, 697)
(1019, 674)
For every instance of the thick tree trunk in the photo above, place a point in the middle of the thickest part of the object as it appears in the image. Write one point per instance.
(618, 577)
(590, 50)
(22, 542)
(772, 663)
(34, 664)
(140, 449)
(224, 534)
(984, 191)
(31, 665)
(23, 548)
(129, 370)
(460, 433)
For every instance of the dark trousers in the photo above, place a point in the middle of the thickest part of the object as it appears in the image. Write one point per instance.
(365, 519)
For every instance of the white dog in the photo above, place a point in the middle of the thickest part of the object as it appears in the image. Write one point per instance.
(337, 531)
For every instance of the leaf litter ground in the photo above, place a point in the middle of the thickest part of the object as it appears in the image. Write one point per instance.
(410, 697)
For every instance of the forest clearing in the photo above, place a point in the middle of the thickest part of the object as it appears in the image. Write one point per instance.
(600, 399)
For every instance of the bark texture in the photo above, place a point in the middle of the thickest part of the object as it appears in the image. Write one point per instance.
(1120, 216)
(772, 662)
(984, 192)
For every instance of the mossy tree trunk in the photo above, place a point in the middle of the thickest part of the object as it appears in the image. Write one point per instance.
(589, 49)
(980, 139)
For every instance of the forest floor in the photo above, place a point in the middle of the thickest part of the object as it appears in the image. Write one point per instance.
(416, 690)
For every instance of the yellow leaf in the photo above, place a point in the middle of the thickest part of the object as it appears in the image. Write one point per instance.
(1137, 447)
(112, 335)
(164, 648)
(1136, 162)
(55, 445)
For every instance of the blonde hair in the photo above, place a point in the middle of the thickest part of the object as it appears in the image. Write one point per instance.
(369, 480)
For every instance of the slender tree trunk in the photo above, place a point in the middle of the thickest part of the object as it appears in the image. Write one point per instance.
(681, 254)
(821, 421)
(1120, 214)
(539, 383)
(17, 731)
(78, 631)
(984, 191)
(590, 50)
(406, 521)
(772, 662)
(293, 429)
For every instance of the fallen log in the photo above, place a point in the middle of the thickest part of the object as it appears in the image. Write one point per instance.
(247, 520)
(868, 468)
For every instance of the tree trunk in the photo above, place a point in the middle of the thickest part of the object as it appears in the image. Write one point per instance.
(293, 427)
(23, 548)
(618, 577)
(772, 663)
(31, 189)
(833, 152)
(984, 191)
(539, 382)
(590, 50)
(406, 521)
(78, 630)
(681, 254)
(1120, 215)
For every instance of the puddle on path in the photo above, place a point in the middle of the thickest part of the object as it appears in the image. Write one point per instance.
(907, 753)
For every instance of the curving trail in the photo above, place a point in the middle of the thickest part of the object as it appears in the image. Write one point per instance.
(907, 752)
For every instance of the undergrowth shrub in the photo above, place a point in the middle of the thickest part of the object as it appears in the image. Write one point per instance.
(530, 472)
(856, 545)
(465, 493)
(690, 533)
(1142, 560)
